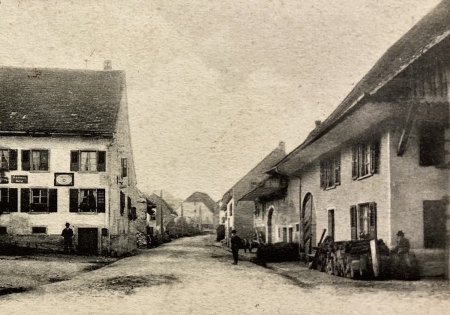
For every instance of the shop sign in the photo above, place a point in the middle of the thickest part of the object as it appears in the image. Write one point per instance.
(19, 179)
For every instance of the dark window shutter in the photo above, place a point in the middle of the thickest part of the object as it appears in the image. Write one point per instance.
(25, 160)
(25, 200)
(13, 199)
(355, 162)
(322, 175)
(374, 157)
(13, 160)
(130, 216)
(373, 220)
(74, 161)
(100, 200)
(353, 223)
(101, 160)
(44, 166)
(73, 203)
(337, 170)
(52, 200)
(122, 203)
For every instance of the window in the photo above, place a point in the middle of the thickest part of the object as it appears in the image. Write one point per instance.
(122, 203)
(87, 200)
(8, 160)
(434, 223)
(39, 230)
(331, 223)
(365, 159)
(3, 230)
(231, 209)
(297, 227)
(124, 167)
(330, 172)
(285, 235)
(432, 145)
(291, 235)
(8, 200)
(88, 161)
(35, 160)
(363, 221)
(39, 200)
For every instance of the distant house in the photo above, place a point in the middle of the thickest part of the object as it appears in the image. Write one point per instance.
(159, 214)
(239, 213)
(200, 210)
(380, 162)
(66, 157)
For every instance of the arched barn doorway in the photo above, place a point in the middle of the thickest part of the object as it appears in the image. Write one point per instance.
(308, 224)
(269, 226)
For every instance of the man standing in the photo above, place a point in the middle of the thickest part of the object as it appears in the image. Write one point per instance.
(67, 233)
(235, 245)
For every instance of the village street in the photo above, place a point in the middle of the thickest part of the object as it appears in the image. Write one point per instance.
(192, 276)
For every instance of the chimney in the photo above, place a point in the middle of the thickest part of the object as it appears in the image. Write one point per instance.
(282, 146)
(318, 122)
(107, 65)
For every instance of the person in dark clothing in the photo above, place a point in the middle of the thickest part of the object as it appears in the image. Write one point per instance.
(235, 245)
(67, 234)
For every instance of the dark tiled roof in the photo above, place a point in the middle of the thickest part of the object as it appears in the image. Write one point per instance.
(428, 32)
(202, 197)
(59, 101)
(158, 201)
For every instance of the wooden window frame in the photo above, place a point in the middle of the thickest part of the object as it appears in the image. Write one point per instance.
(330, 171)
(29, 165)
(33, 229)
(75, 161)
(80, 197)
(365, 159)
(124, 167)
(51, 206)
(11, 159)
(11, 207)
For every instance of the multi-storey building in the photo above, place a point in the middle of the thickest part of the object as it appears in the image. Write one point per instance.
(200, 210)
(240, 213)
(380, 162)
(66, 157)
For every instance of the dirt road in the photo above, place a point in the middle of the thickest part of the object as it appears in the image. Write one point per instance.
(191, 276)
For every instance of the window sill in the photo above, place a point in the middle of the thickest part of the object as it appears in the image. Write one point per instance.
(363, 177)
(89, 172)
(35, 212)
(330, 188)
(37, 171)
(87, 213)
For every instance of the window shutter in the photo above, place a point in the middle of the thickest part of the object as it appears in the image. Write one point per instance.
(374, 157)
(101, 160)
(25, 200)
(122, 203)
(52, 200)
(44, 161)
(12, 160)
(25, 160)
(322, 175)
(353, 223)
(130, 215)
(13, 199)
(100, 200)
(373, 220)
(337, 169)
(73, 203)
(355, 162)
(74, 161)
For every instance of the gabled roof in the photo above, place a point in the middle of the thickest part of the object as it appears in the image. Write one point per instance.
(59, 101)
(158, 201)
(428, 32)
(202, 197)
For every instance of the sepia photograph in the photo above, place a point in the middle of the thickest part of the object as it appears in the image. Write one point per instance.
(224, 157)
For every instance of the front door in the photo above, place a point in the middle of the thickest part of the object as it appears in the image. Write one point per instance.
(308, 225)
(88, 241)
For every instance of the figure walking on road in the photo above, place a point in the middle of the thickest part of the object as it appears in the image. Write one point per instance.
(67, 234)
(235, 245)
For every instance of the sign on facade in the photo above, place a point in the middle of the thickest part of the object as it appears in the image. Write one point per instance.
(19, 179)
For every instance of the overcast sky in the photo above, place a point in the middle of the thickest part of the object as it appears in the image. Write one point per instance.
(213, 86)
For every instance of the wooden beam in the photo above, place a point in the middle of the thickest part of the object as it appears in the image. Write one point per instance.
(407, 128)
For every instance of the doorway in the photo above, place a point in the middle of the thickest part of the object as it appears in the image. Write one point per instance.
(308, 224)
(88, 241)
(269, 226)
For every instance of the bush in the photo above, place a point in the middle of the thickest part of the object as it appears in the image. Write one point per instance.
(220, 232)
(278, 252)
